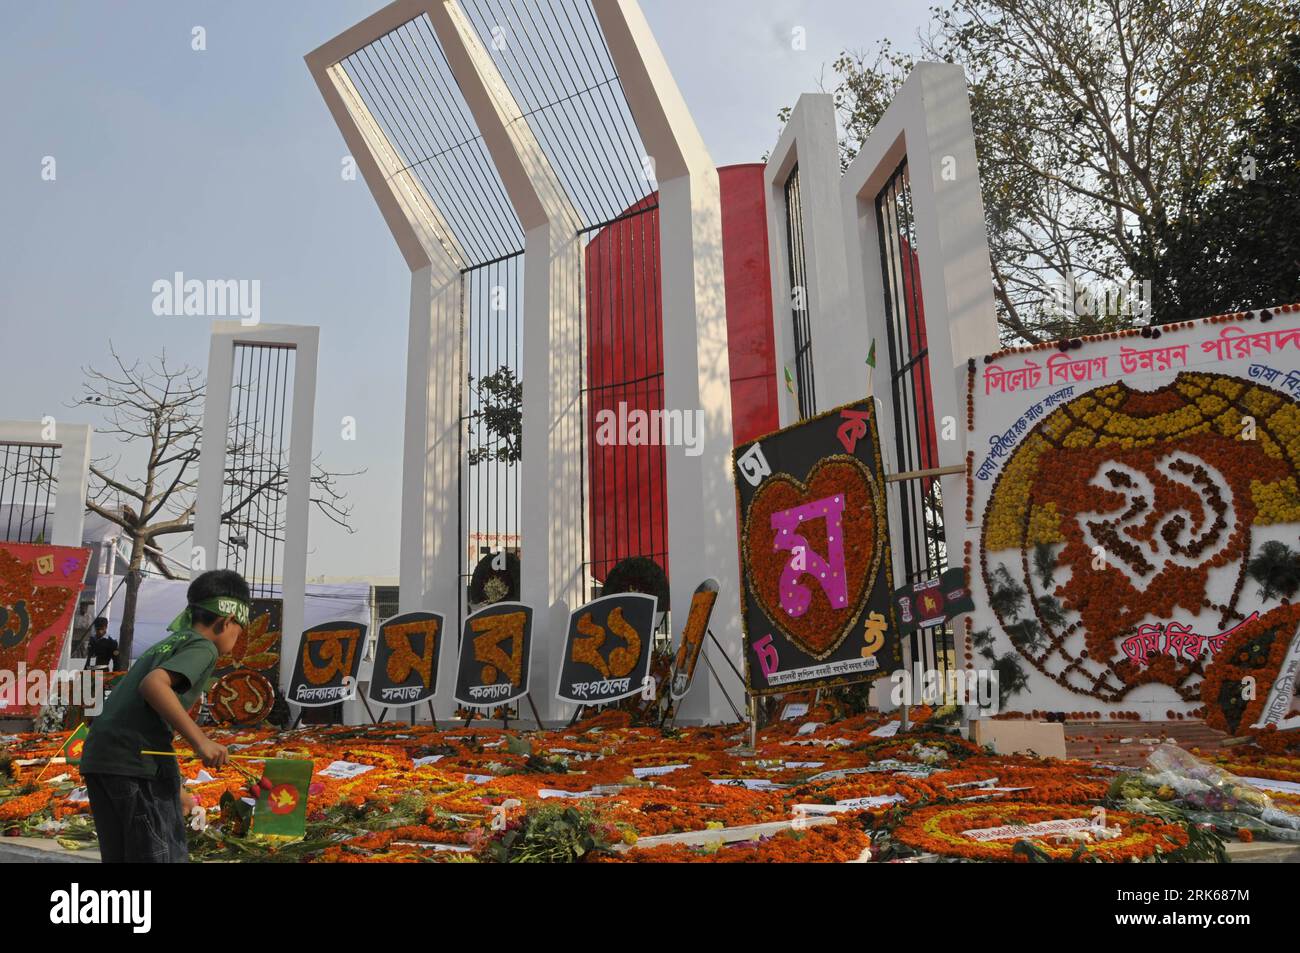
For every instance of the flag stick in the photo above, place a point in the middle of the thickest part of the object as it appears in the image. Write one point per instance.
(57, 753)
(190, 754)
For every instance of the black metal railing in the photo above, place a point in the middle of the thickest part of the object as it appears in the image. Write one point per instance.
(255, 479)
(28, 485)
(490, 491)
(797, 257)
(915, 440)
(624, 483)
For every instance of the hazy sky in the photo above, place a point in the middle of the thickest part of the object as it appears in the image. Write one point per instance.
(224, 163)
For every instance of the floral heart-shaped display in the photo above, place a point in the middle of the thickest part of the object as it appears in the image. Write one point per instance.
(815, 606)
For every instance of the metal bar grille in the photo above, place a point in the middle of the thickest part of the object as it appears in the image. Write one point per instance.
(490, 489)
(28, 484)
(920, 502)
(797, 256)
(552, 56)
(626, 481)
(255, 482)
(405, 82)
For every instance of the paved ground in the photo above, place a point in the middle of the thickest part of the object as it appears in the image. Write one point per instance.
(39, 850)
(35, 850)
(1129, 742)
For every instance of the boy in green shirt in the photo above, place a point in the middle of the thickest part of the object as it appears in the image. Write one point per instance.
(135, 798)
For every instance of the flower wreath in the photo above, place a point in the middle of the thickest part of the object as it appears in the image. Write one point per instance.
(939, 830)
(489, 585)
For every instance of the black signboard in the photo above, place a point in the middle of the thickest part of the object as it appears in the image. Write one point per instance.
(325, 671)
(815, 562)
(496, 647)
(693, 636)
(259, 647)
(406, 659)
(607, 652)
(933, 601)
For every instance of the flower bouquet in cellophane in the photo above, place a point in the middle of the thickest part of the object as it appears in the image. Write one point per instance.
(1177, 781)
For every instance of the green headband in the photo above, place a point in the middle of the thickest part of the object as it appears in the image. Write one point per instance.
(227, 605)
(219, 605)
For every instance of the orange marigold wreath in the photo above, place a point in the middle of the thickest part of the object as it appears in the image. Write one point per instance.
(940, 830)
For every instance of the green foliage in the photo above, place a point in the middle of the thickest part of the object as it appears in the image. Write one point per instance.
(1236, 247)
(1276, 569)
(1044, 563)
(638, 574)
(1030, 852)
(1006, 596)
(551, 835)
(1012, 677)
(1100, 130)
(1051, 611)
(1026, 634)
(500, 415)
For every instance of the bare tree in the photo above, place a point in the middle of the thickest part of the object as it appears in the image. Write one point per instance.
(161, 407)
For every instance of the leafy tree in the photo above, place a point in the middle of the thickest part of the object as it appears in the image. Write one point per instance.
(1100, 126)
(1239, 247)
(500, 414)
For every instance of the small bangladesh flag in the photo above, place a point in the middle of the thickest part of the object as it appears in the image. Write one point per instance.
(789, 381)
(76, 741)
(281, 809)
(871, 355)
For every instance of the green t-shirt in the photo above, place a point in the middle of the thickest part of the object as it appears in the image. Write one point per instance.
(129, 725)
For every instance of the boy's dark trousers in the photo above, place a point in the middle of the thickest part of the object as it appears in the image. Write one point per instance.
(138, 820)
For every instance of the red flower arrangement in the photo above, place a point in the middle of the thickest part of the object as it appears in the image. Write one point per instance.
(1255, 651)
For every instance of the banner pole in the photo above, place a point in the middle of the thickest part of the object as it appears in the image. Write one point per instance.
(734, 671)
(533, 706)
(723, 688)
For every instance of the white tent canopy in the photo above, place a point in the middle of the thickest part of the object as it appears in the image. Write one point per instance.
(161, 600)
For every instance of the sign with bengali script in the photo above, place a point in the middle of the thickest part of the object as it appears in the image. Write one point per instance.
(607, 652)
(933, 601)
(406, 659)
(39, 589)
(1121, 488)
(496, 647)
(325, 671)
(258, 646)
(815, 561)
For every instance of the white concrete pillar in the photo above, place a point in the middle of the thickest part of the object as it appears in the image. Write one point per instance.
(840, 340)
(431, 537)
(553, 545)
(702, 536)
(929, 123)
(304, 339)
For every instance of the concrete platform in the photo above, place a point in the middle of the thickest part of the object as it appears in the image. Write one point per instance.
(39, 850)
(36, 850)
(1129, 742)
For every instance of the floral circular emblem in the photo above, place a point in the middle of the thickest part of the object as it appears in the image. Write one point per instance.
(1123, 510)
